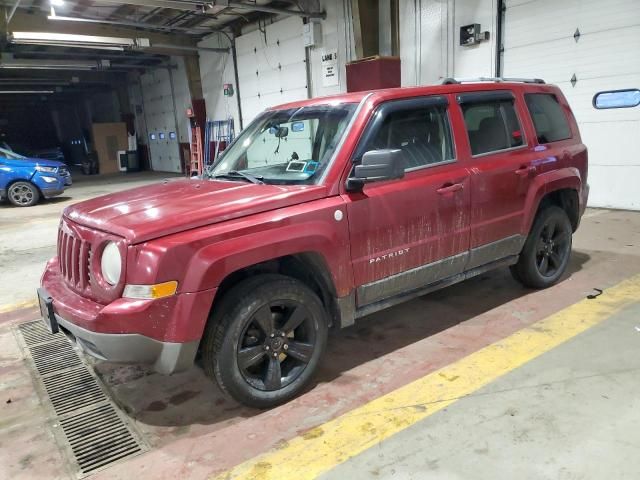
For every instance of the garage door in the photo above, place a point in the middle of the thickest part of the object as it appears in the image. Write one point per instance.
(586, 46)
(160, 118)
(271, 67)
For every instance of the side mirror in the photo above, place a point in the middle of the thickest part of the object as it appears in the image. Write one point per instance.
(377, 165)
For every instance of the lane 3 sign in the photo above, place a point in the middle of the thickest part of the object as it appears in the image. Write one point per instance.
(330, 68)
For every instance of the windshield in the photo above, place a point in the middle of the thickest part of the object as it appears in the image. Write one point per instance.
(285, 146)
(10, 155)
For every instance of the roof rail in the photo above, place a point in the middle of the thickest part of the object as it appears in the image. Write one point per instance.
(449, 81)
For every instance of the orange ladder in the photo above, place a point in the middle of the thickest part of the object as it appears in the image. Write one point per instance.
(196, 163)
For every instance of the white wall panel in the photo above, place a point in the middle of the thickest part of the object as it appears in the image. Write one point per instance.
(271, 67)
(539, 42)
(430, 47)
(216, 69)
(337, 34)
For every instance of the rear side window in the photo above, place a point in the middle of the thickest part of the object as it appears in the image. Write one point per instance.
(492, 126)
(548, 117)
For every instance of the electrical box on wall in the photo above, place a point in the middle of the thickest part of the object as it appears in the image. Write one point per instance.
(227, 89)
(311, 34)
(472, 35)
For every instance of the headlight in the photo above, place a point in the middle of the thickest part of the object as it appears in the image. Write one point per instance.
(111, 263)
(40, 168)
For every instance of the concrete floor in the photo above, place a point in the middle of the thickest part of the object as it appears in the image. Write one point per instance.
(573, 413)
(546, 419)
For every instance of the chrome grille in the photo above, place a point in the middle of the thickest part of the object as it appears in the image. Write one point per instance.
(73, 255)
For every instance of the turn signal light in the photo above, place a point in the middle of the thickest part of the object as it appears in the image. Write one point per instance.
(151, 292)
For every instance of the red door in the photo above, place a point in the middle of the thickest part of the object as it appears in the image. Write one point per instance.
(502, 168)
(410, 232)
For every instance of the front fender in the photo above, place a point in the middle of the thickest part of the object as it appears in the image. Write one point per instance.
(202, 258)
(563, 178)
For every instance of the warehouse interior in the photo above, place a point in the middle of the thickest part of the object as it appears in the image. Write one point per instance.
(482, 379)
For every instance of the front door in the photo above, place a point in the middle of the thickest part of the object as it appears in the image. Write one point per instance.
(413, 231)
(502, 169)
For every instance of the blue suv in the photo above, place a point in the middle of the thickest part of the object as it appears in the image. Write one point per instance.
(24, 180)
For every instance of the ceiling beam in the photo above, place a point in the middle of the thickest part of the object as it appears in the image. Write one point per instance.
(13, 11)
(217, 6)
(172, 4)
(267, 9)
(87, 53)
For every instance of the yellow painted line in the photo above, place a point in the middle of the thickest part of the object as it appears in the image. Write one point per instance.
(18, 306)
(334, 442)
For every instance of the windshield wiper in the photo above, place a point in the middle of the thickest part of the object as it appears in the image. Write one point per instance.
(236, 174)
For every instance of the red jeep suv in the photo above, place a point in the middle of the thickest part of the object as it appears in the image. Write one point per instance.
(321, 212)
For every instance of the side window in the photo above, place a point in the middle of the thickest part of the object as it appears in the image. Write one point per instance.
(492, 126)
(548, 117)
(423, 134)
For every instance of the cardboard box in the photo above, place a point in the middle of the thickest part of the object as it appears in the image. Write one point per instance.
(108, 138)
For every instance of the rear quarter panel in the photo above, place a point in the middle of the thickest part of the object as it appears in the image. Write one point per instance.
(560, 165)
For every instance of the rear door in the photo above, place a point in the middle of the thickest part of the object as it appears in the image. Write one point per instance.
(413, 231)
(502, 169)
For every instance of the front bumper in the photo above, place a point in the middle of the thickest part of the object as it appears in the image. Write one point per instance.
(51, 192)
(164, 332)
(166, 357)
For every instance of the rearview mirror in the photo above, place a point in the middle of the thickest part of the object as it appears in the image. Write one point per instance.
(282, 132)
(377, 165)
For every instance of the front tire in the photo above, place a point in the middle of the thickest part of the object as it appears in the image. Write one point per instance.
(23, 194)
(547, 250)
(265, 339)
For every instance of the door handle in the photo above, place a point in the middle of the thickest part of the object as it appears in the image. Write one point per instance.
(449, 188)
(524, 171)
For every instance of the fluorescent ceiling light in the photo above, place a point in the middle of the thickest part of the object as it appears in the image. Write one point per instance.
(22, 92)
(57, 3)
(70, 40)
(23, 64)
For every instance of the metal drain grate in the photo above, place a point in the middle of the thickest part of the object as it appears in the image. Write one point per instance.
(54, 356)
(94, 431)
(34, 333)
(71, 390)
(98, 437)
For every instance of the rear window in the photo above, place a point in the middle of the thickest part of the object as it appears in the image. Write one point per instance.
(548, 117)
(492, 126)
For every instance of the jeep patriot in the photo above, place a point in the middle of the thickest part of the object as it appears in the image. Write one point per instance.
(321, 212)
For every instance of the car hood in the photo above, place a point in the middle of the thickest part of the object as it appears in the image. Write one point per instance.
(175, 206)
(30, 162)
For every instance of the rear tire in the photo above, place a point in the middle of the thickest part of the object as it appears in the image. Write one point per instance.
(265, 339)
(547, 250)
(23, 194)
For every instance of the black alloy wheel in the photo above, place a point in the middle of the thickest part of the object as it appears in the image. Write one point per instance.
(264, 339)
(547, 250)
(553, 247)
(276, 346)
